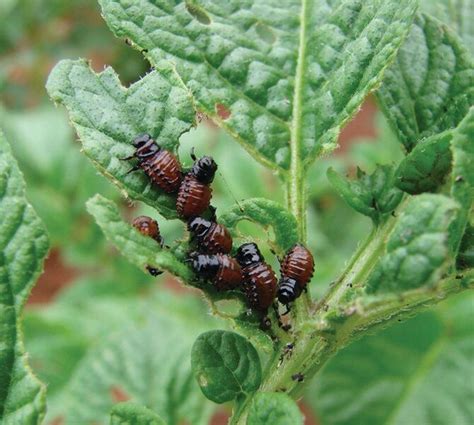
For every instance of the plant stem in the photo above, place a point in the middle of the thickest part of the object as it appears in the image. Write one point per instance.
(312, 347)
(296, 201)
(315, 345)
(335, 322)
(360, 264)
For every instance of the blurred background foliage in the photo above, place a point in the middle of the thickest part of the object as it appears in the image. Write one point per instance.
(91, 309)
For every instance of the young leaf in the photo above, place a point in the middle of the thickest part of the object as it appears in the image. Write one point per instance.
(282, 78)
(373, 195)
(226, 365)
(140, 250)
(430, 87)
(266, 213)
(274, 409)
(418, 372)
(417, 250)
(107, 117)
(23, 246)
(426, 166)
(129, 413)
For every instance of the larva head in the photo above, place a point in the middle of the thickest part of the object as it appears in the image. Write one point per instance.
(288, 290)
(248, 254)
(145, 146)
(204, 169)
(141, 140)
(206, 266)
(199, 225)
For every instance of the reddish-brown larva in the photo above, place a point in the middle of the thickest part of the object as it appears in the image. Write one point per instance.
(222, 270)
(260, 282)
(297, 269)
(210, 236)
(194, 195)
(149, 227)
(160, 165)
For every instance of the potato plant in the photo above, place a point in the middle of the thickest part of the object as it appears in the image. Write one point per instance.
(282, 79)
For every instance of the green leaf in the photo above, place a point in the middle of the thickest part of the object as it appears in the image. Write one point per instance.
(140, 351)
(58, 336)
(417, 250)
(267, 214)
(426, 166)
(138, 249)
(463, 152)
(430, 87)
(373, 195)
(58, 181)
(54, 344)
(128, 413)
(31, 132)
(458, 14)
(281, 78)
(418, 372)
(107, 117)
(226, 365)
(23, 246)
(274, 409)
(465, 258)
(462, 188)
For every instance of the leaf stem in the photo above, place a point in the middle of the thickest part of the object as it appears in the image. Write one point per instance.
(296, 189)
(296, 199)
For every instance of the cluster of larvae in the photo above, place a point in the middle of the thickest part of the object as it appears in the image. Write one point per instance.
(211, 258)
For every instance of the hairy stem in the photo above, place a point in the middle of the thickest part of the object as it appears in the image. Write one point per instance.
(296, 192)
(335, 323)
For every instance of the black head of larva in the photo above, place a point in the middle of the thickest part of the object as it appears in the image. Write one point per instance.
(288, 290)
(145, 146)
(204, 169)
(199, 226)
(248, 254)
(206, 266)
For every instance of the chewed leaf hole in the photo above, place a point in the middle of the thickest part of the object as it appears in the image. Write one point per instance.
(198, 13)
(118, 394)
(265, 33)
(222, 111)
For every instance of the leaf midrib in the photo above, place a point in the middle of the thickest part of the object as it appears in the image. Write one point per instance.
(225, 365)
(296, 120)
